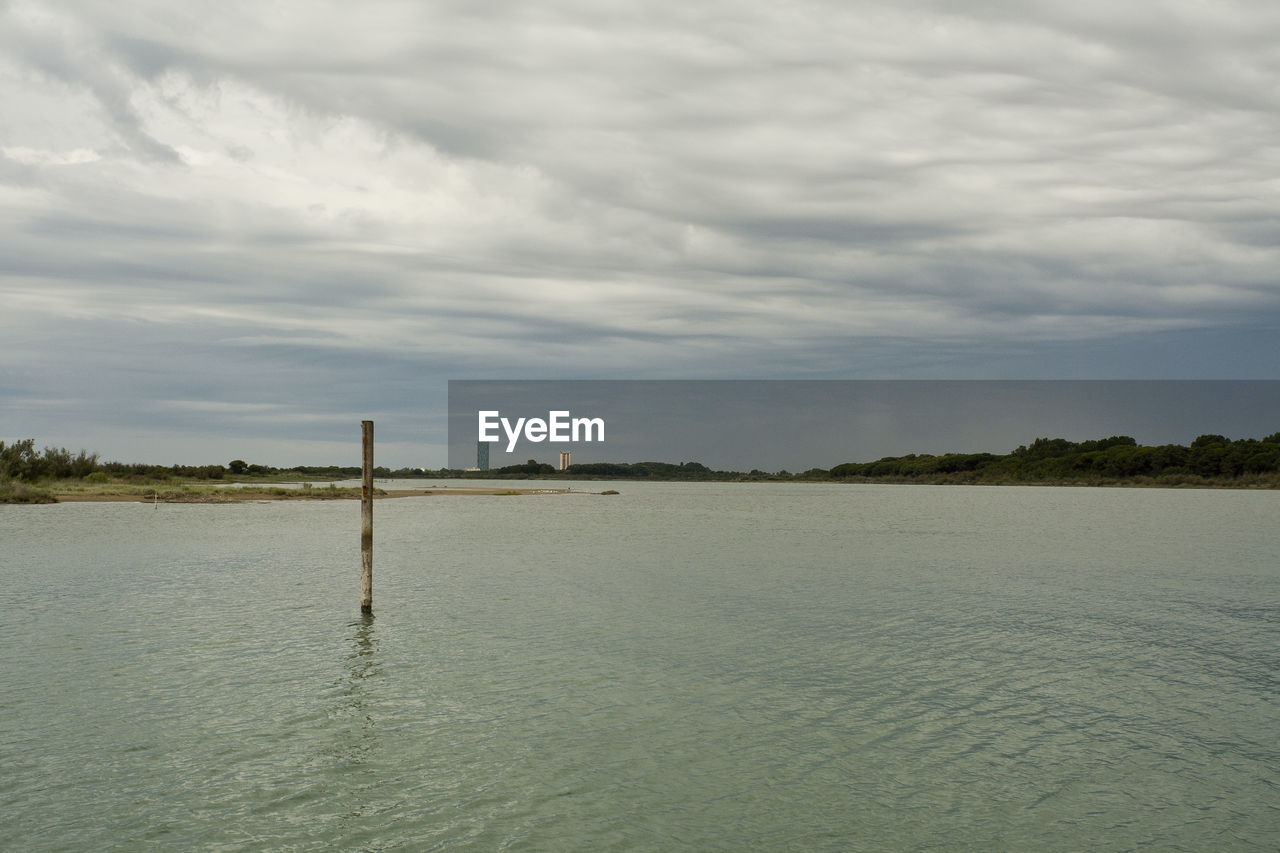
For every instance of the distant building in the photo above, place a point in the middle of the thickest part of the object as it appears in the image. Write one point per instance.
(482, 455)
(565, 457)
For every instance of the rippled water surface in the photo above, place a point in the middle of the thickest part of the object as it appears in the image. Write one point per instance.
(679, 667)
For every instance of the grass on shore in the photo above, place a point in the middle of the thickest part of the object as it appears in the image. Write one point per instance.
(13, 491)
(18, 492)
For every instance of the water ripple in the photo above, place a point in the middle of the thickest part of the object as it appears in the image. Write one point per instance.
(711, 668)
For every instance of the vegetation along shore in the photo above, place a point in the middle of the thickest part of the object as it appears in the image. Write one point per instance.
(28, 475)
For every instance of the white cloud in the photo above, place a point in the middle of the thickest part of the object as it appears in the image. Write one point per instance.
(38, 157)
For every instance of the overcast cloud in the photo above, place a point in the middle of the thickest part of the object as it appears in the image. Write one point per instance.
(236, 230)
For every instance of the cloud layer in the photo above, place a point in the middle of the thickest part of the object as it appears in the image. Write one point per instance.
(328, 209)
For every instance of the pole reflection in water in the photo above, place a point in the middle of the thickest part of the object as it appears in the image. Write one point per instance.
(359, 733)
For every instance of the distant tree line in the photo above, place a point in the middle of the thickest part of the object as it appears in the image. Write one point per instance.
(610, 471)
(21, 461)
(1213, 457)
(671, 471)
(1210, 458)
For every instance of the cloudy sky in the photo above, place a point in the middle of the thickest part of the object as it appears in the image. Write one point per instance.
(236, 230)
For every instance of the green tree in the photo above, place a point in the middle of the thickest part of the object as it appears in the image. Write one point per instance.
(17, 459)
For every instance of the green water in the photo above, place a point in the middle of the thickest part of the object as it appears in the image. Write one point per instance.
(679, 667)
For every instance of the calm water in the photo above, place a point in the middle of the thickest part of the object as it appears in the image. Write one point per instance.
(680, 667)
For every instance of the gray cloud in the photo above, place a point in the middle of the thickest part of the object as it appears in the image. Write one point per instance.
(390, 193)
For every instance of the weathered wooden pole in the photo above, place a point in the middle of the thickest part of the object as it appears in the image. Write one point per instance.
(366, 518)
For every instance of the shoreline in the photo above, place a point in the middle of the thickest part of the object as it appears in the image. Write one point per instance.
(205, 494)
(251, 495)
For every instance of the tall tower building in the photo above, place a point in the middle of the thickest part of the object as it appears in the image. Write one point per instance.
(482, 455)
(565, 457)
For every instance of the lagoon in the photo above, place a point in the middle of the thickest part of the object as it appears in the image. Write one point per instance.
(719, 666)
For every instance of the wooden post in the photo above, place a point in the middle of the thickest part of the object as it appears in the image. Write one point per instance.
(366, 518)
